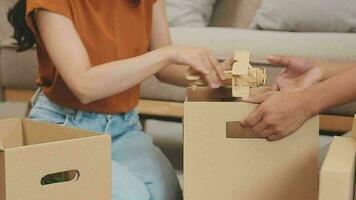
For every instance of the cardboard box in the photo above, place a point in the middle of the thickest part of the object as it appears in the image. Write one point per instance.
(226, 162)
(35, 154)
(337, 175)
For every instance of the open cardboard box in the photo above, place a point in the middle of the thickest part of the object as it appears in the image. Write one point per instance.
(32, 153)
(337, 175)
(224, 161)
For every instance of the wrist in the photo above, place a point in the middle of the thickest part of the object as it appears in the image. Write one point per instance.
(320, 67)
(311, 103)
(169, 54)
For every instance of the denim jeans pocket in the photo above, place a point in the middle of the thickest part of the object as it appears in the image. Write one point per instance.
(44, 110)
(47, 115)
(133, 120)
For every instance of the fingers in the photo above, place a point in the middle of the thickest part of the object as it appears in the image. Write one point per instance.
(227, 64)
(213, 80)
(282, 60)
(275, 137)
(259, 128)
(275, 87)
(266, 132)
(217, 67)
(212, 76)
(259, 98)
(260, 90)
(252, 119)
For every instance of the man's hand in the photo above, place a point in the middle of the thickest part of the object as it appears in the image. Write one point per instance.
(299, 73)
(279, 115)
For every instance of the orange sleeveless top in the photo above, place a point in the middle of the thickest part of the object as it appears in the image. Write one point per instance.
(110, 30)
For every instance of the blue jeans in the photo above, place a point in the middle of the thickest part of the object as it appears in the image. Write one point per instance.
(140, 171)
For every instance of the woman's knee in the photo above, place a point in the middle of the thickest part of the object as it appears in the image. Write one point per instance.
(163, 182)
(127, 186)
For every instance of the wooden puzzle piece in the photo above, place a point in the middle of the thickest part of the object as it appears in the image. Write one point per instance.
(241, 64)
(241, 78)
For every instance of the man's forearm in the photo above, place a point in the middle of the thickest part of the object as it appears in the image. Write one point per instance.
(330, 69)
(337, 90)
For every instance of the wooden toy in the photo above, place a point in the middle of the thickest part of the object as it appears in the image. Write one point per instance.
(241, 78)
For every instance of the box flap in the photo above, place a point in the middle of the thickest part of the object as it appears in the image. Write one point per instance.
(338, 170)
(36, 132)
(10, 134)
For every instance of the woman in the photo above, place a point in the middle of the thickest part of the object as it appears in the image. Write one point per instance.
(92, 56)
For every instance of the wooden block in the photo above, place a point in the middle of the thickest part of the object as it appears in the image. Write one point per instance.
(242, 63)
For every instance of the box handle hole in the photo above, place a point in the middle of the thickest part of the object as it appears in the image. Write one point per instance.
(235, 130)
(60, 177)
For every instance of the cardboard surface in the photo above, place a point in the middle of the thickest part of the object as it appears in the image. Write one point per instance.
(36, 132)
(47, 149)
(337, 175)
(338, 170)
(11, 133)
(217, 167)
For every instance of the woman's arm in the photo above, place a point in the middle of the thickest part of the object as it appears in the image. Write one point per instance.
(175, 73)
(90, 83)
(160, 37)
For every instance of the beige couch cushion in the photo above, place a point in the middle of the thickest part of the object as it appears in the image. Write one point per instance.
(235, 13)
(307, 16)
(189, 13)
(18, 69)
(5, 27)
(224, 41)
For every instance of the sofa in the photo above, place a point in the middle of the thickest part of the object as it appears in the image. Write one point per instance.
(228, 31)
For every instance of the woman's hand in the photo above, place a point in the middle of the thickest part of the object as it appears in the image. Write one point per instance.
(279, 115)
(299, 73)
(201, 60)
